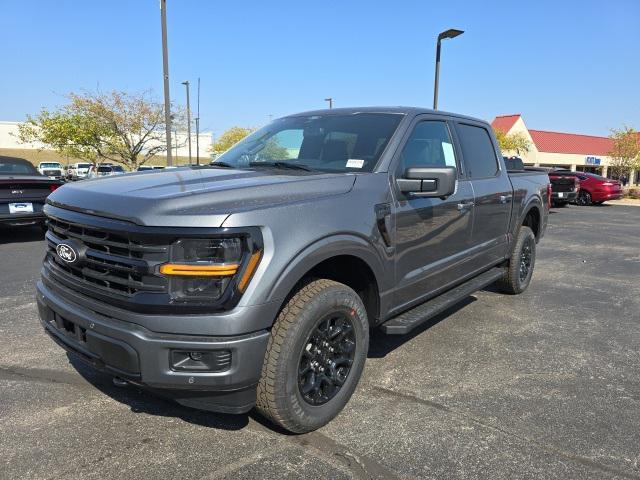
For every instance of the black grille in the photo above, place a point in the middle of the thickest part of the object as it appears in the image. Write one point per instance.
(112, 262)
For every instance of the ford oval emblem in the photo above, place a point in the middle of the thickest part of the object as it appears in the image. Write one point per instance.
(66, 253)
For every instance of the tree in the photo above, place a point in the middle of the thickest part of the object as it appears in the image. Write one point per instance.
(625, 152)
(117, 126)
(516, 142)
(229, 138)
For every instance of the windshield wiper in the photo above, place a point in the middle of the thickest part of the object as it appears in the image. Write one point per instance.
(277, 164)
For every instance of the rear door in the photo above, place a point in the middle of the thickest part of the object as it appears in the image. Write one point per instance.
(492, 192)
(431, 234)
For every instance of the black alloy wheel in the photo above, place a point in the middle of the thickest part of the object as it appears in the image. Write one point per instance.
(584, 198)
(526, 256)
(326, 358)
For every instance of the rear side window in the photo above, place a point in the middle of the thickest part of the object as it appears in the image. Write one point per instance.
(479, 156)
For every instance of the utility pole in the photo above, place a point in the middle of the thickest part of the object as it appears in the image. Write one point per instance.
(165, 71)
(330, 100)
(198, 126)
(451, 33)
(186, 84)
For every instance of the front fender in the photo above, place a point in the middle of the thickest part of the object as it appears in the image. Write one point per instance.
(323, 249)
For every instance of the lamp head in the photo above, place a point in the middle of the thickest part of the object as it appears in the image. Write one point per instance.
(451, 33)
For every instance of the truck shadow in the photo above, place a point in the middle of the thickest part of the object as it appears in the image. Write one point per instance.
(143, 401)
(20, 234)
(381, 344)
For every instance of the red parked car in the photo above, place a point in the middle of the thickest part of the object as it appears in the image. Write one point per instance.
(595, 189)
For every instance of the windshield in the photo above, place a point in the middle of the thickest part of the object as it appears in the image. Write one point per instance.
(83, 165)
(328, 143)
(117, 168)
(49, 165)
(104, 169)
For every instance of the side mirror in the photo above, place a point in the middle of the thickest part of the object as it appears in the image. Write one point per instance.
(438, 182)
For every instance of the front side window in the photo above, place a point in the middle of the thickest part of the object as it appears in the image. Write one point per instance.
(327, 143)
(429, 145)
(477, 148)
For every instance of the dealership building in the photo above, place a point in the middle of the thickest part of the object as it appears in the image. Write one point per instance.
(585, 153)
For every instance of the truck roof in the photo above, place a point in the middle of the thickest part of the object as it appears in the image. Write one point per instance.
(399, 109)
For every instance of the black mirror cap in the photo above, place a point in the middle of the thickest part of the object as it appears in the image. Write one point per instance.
(436, 182)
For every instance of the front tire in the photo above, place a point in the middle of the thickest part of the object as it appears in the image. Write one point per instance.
(521, 263)
(315, 356)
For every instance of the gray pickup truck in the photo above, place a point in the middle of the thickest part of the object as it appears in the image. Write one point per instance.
(256, 280)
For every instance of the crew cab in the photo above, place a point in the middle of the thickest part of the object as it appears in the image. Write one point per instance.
(53, 170)
(23, 192)
(256, 280)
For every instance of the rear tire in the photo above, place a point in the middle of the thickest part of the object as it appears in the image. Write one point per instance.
(521, 263)
(315, 356)
(584, 198)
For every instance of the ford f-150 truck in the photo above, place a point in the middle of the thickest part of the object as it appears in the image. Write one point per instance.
(256, 280)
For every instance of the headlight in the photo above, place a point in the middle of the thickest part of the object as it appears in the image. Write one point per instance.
(202, 269)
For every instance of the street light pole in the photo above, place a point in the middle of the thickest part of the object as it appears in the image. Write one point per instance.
(330, 100)
(186, 84)
(198, 126)
(451, 33)
(165, 71)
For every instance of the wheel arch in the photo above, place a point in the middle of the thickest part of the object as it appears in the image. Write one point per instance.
(347, 259)
(532, 218)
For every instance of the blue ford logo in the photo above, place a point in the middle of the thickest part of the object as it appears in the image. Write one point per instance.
(66, 253)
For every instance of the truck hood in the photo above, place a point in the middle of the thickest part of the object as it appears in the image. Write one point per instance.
(194, 197)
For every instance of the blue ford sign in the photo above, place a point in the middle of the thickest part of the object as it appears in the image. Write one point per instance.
(592, 161)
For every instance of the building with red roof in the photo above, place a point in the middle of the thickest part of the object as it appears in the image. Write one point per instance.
(587, 153)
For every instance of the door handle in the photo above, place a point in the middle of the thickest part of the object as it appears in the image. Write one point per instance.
(464, 205)
(505, 198)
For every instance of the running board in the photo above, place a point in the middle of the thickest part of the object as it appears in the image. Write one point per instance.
(407, 321)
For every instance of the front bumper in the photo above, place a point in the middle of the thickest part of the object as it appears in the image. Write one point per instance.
(143, 357)
(14, 220)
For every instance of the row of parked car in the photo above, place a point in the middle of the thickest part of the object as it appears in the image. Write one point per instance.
(80, 171)
(581, 188)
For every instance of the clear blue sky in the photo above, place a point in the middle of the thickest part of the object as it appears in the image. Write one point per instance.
(565, 65)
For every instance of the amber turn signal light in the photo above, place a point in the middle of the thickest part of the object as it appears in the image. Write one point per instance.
(251, 268)
(199, 270)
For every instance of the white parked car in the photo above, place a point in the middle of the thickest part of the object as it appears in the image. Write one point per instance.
(146, 168)
(105, 170)
(78, 171)
(52, 170)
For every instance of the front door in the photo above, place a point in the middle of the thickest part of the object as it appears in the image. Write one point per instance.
(431, 234)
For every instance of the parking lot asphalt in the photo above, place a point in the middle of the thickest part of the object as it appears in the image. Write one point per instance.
(541, 385)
